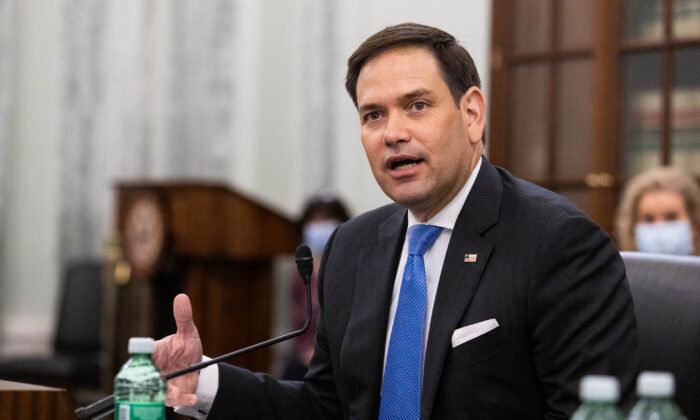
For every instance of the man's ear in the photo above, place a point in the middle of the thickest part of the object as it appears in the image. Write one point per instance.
(472, 105)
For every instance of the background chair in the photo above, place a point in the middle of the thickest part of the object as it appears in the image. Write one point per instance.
(666, 293)
(75, 362)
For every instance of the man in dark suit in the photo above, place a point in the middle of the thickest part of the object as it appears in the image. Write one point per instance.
(513, 298)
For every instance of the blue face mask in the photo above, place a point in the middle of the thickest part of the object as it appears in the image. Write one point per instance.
(316, 234)
(665, 237)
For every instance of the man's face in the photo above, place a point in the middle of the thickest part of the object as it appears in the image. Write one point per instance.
(420, 145)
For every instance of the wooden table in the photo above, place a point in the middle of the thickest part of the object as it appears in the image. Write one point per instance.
(24, 401)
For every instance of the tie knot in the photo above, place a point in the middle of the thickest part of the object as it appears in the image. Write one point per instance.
(421, 238)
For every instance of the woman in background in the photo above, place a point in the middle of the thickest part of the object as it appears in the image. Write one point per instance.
(321, 215)
(660, 213)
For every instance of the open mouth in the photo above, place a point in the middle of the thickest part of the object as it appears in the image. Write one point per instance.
(401, 164)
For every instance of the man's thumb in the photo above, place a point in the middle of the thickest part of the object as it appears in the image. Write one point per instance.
(182, 311)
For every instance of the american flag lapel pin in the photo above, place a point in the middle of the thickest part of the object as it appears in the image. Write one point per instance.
(469, 258)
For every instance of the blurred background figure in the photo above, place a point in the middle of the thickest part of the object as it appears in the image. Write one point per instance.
(660, 213)
(321, 215)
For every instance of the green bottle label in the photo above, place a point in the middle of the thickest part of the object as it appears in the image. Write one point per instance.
(139, 411)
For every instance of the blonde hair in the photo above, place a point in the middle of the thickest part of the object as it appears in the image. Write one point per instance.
(659, 179)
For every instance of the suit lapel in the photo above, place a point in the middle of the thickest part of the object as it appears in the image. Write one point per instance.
(459, 279)
(363, 347)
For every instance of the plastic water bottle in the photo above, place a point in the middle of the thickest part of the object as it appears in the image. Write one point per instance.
(139, 389)
(599, 395)
(655, 390)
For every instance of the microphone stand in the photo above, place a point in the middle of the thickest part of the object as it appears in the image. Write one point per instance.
(304, 263)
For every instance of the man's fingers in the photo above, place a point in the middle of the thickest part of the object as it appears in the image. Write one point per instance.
(171, 396)
(174, 397)
(182, 311)
(158, 351)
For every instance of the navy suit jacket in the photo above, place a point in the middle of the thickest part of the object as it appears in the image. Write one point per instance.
(551, 278)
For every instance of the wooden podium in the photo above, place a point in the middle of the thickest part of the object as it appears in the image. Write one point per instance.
(30, 402)
(206, 240)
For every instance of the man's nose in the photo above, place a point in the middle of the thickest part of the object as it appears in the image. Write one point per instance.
(396, 129)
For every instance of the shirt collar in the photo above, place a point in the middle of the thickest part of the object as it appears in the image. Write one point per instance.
(447, 217)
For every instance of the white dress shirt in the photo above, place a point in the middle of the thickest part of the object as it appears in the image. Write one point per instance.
(433, 258)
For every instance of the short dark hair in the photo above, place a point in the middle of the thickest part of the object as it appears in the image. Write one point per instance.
(456, 65)
(325, 206)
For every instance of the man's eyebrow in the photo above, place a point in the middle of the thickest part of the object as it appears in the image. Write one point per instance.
(368, 107)
(406, 97)
(414, 94)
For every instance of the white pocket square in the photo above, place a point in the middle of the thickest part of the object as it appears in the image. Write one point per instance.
(470, 332)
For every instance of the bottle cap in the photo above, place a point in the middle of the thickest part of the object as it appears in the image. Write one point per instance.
(656, 384)
(599, 388)
(141, 345)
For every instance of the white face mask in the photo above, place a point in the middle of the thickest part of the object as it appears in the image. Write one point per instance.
(316, 234)
(665, 237)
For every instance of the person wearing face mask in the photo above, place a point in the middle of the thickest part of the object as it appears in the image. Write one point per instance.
(660, 213)
(322, 214)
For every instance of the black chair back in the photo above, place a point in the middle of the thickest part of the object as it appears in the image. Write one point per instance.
(78, 329)
(75, 361)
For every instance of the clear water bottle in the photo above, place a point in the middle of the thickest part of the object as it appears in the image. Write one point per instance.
(139, 389)
(599, 395)
(655, 390)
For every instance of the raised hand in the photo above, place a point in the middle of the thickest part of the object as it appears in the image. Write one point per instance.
(179, 351)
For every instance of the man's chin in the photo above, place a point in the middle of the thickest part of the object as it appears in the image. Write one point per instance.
(411, 200)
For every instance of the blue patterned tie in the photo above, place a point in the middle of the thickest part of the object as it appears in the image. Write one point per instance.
(403, 375)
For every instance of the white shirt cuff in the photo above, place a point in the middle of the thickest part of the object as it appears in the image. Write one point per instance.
(207, 386)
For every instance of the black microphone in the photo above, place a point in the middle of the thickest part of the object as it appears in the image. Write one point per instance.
(305, 266)
(305, 263)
